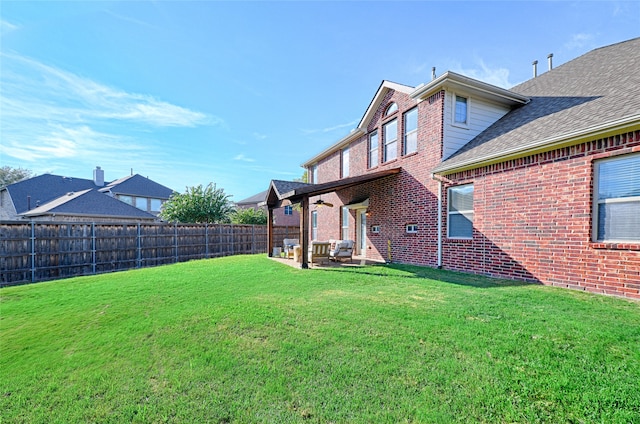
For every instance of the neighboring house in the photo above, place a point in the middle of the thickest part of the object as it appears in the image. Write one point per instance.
(285, 216)
(539, 183)
(56, 198)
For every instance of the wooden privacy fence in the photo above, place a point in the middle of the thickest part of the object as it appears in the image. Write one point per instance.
(38, 251)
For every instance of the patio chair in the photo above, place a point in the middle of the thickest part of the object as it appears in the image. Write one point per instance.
(288, 246)
(319, 250)
(341, 249)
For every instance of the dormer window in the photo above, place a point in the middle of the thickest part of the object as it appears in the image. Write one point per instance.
(391, 109)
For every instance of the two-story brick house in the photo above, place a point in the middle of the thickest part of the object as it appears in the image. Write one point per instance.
(540, 182)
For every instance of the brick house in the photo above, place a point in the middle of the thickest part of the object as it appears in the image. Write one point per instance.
(539, 183)
(286, 216)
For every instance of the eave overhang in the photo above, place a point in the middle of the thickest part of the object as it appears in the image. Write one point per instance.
(451, 81)
(628, 124)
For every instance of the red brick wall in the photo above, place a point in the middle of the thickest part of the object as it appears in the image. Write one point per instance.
(532, 221)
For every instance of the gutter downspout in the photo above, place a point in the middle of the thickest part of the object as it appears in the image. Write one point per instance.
(439, 261)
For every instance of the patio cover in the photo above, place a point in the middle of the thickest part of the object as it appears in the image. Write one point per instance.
(283, 193)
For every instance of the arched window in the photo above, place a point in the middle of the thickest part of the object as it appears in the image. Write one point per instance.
(391, 109)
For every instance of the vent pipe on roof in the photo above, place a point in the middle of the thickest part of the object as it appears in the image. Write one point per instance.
(433, 73)
(550, 60)
(535, 68)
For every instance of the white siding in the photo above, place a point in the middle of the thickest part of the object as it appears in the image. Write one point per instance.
(482, 114)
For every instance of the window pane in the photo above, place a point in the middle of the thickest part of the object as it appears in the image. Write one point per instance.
(141, 203)
(411, 120)
(156, 204)
(411, 142)
(619, 221)
(345, 162)
(373, 149)
(126, 199)
(461, 198)
(461, 110)
(619, 178)
(461, 225)
(392, 108)
(390, 140)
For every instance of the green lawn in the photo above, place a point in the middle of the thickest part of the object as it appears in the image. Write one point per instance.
(245, 339)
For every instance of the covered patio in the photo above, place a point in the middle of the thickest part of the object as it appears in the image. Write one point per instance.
(284, 193)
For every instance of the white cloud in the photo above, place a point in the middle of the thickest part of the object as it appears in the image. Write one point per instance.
(243, 158)
(329, 129)
(496, 76)
(6, 27)
(579, 41)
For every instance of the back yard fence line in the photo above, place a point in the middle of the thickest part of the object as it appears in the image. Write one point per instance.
(39, 251)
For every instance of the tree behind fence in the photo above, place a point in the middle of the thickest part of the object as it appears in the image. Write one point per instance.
(40, 251)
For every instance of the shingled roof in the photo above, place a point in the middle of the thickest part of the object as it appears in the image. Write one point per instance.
(42, 189)
(585, 97)
(137, 185)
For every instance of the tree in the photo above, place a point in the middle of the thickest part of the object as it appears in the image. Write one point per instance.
(198, 205)
(9, 175)
(304, 178)
(249, 216)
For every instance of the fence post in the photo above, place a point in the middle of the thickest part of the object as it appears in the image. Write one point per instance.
(175, 236)
(138, 248)
(93, 247)
(233, 230)
(33, 252)
(206, 240)
(253, 239)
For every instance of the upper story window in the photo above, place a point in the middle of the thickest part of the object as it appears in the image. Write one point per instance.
(391, 109)
(314, 174)
(156, 205)
(288, 210)
(345, 162)
(460, 212)
(373, 149)
(390, 134)
(411, 131)
(616, 197)
(461, 111)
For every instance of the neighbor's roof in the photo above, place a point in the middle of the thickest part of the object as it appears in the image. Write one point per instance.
(89, 202)
(137, 185)
(43, 189)
(255, 199)
(589, 97)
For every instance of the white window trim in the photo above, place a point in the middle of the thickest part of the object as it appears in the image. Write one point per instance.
(384, 140)
(344, 230)
(595, 217)
(314, 225)
(344, 159)
(463, 212)
(370, 150)
(411, 228)
(453, 111)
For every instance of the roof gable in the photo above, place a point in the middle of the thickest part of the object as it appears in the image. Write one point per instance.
(44, 188)
(589, 96)
(137, 185)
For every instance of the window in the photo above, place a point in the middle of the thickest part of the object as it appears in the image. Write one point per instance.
(460, 212)
(461, 111)
(345, 223)
(156, 205)
(375, 229)
(412, 228)
(373, 149)
(314, 225)
(288, 210)
(411, 131)
(391, 109)
(314, 174)
(345, 162)
(141, 203)
(390, 133)
(126, 199)
(617, 199)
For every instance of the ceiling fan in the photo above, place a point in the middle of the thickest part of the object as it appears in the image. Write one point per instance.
(321, 202)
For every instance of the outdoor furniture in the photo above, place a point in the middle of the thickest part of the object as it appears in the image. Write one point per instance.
(288, 246)
(297, 253)
(318, 251)
(341, 249)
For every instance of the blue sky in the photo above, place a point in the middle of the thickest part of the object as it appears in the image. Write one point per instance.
(239, 93)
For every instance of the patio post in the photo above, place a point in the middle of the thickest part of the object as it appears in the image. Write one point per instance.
(269, 232)
(304, 229)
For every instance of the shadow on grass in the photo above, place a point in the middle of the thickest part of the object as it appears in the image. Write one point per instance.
(421, 272)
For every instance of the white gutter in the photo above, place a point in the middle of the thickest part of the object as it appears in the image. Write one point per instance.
(353, 135)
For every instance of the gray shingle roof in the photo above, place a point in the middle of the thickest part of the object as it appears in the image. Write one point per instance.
(90, 202)
(255, 199)
(43, 189)
(137, 185)
(595, 90)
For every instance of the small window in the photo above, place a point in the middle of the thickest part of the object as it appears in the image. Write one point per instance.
(412, 228)
(314, 225)
(411, 131)
(391, 109)
(460, 212)
(390, 134)
(375, 229)
(156, 205)
(127, 199)
(141, 203)
(288, 210)
(373, 149)
(345, 162)
(345, 223)
(461, 111)
(617, 199)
